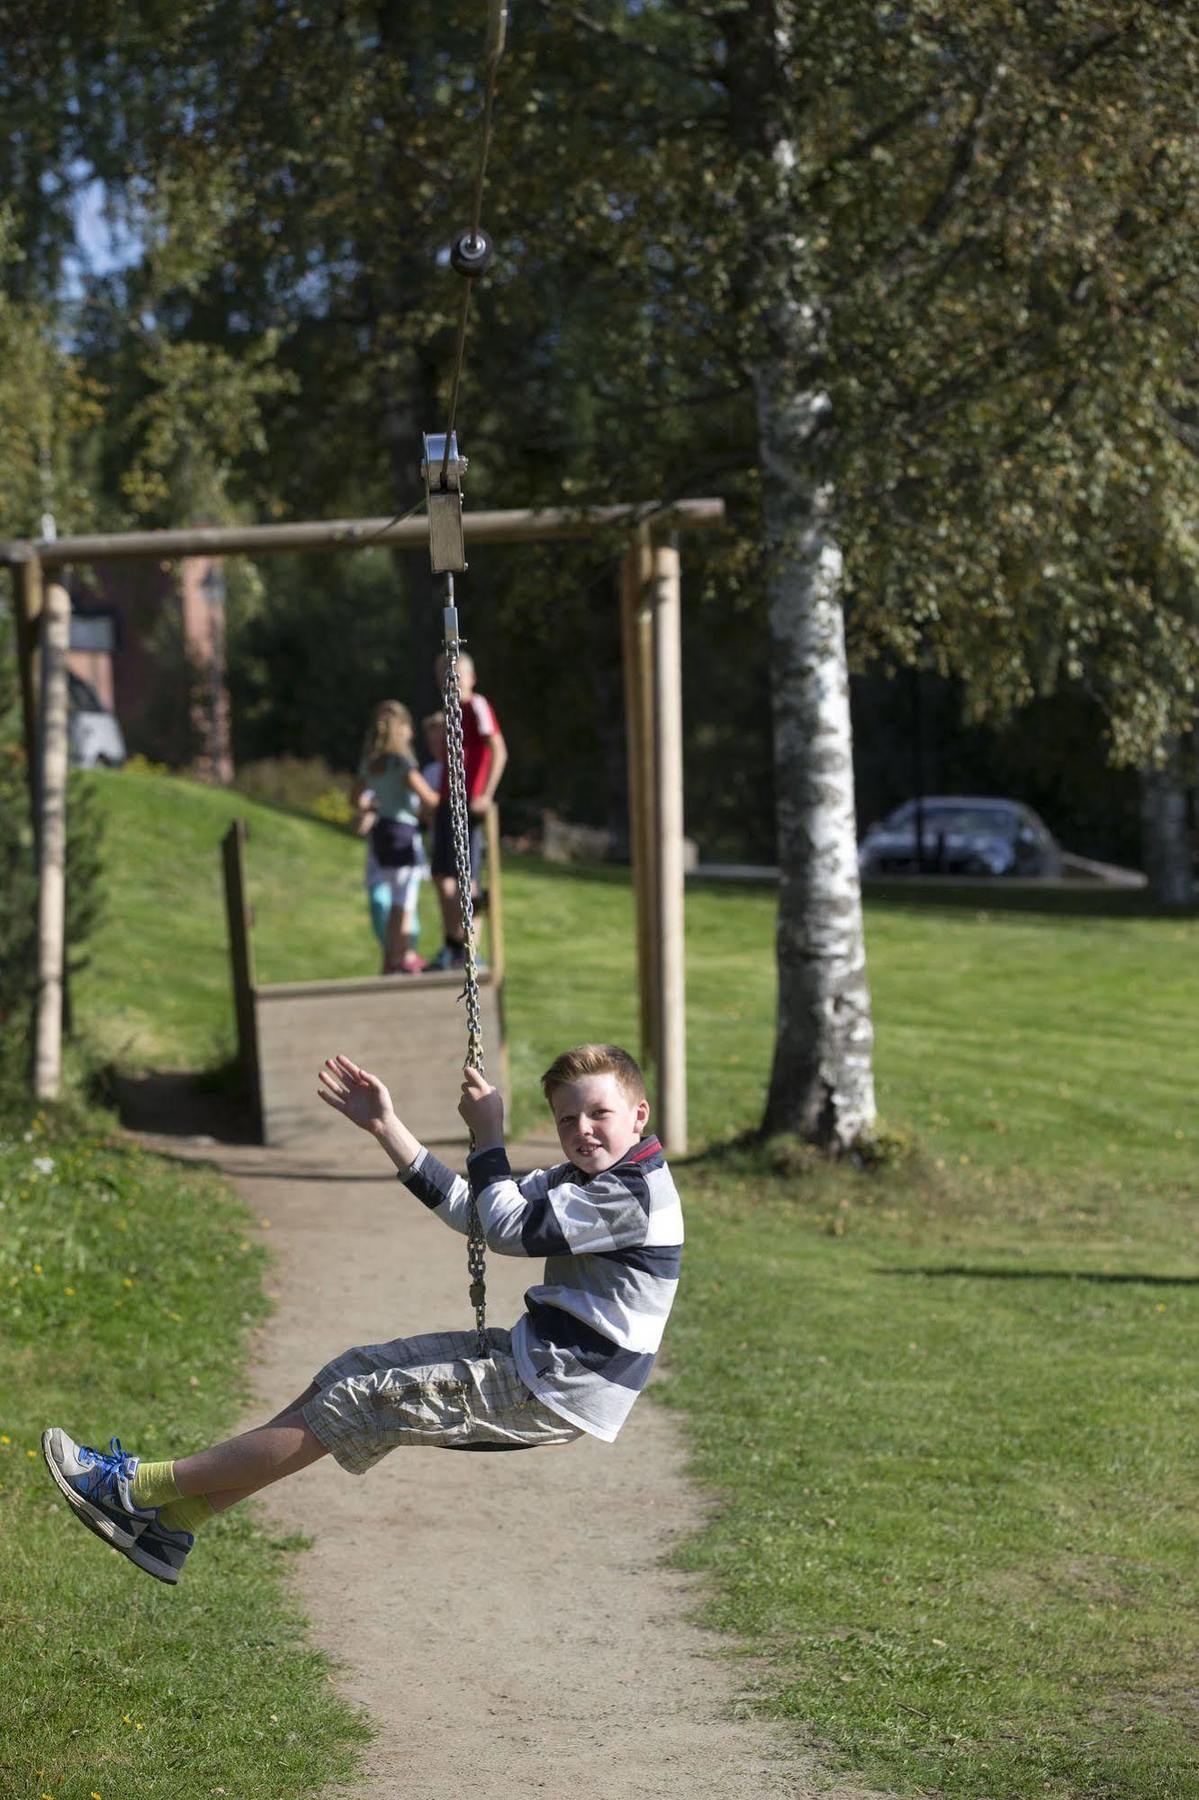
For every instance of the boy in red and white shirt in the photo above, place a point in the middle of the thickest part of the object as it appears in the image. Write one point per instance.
(486, 757)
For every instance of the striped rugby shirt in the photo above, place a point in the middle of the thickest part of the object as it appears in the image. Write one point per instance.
(613, 1243)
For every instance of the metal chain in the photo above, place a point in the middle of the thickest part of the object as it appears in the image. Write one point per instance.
(455, 756)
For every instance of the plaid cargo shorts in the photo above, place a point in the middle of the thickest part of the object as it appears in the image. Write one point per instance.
(434, 1390)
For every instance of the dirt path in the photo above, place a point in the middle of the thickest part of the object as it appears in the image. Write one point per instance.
(505, 1621)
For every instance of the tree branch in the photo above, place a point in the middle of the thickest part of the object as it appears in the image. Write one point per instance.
(872, 139)
(964, 158)
(653, 52)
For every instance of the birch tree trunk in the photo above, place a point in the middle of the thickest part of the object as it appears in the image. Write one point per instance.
(821, 1084)
(1165, 833)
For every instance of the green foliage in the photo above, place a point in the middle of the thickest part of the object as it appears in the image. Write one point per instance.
(327, 639)
(298, 785)
(48, 403)
(990, 210)
(202, 411)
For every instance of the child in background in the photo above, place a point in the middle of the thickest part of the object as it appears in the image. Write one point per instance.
(609, 1224)
(433, 731)
(486, 757)
(386, 796)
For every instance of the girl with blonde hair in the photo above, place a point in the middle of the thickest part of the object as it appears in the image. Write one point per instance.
(388, 796)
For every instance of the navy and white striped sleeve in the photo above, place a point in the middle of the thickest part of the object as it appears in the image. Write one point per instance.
(543, 1214)
(549, 1214)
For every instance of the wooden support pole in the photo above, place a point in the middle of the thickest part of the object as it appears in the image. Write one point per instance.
(51, 841)
(495, 895)
(27, 606)
(240, 919)
(497, 1054)
(637, 653)
(519, 526)
(670, 1034)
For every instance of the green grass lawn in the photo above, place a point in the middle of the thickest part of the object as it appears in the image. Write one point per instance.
(127, 1285)
(948, 1409)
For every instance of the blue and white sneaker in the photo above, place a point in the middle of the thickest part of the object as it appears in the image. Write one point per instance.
(95, 1484)
(454, 957)
(159, 1551)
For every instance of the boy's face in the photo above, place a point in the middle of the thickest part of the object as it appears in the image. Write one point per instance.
(597, 1121)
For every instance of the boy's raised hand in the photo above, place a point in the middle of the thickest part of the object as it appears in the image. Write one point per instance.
(360, 1096)
(482, 1108)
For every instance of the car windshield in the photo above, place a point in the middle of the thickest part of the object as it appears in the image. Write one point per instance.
(958, 821)
(83, 697)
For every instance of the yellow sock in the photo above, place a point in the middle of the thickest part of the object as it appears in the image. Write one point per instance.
(153, 1484)
(188, 1515)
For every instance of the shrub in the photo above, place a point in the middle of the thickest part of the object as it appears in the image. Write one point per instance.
(300, 784)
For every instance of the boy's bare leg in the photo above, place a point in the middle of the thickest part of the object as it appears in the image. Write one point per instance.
(231, 1471)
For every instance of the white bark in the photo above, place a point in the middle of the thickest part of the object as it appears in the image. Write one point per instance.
(52, 842)
(1166, 834)
(822, 1084)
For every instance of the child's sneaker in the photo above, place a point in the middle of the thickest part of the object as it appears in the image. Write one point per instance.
(159, 1551)
(411, 963)
(96, 1486)
(454, 957)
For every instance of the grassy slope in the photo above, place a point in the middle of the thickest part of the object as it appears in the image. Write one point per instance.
(949, 1408)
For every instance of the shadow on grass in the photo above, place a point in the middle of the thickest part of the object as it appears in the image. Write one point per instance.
(926, 895)
(974, 1274)
(182, 1103)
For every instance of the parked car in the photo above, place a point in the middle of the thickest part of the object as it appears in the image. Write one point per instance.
(94, 737)
(962, 835)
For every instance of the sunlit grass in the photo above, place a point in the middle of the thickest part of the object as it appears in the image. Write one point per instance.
(949, 1408)
(128, 1285)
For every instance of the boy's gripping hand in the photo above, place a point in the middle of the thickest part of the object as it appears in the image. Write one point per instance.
(352, 1091)
(482, 1108)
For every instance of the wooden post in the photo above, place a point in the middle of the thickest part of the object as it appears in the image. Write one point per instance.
(495, 895)
(500, 1075)
(638, 651)
(27, 606)
(51, 788)
(241, 961)
(352, 534)
(670, 1035)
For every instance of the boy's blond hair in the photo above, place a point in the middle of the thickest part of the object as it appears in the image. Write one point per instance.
(594, 1059)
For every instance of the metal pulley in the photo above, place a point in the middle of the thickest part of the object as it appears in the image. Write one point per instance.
(471, 253)
(443, 469)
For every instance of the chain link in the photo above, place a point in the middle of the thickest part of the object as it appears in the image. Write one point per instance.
(476, 1243)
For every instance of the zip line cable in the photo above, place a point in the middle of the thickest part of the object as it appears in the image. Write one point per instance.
(470, 255)
(400, 519)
